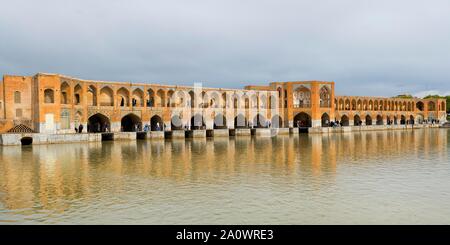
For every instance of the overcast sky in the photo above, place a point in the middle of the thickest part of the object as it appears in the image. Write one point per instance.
(367, 47)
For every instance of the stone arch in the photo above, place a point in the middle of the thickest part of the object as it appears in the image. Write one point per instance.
(254, 101)
(26, 141)
(325, 119)
(347, 105)
(353, 105)
(420, 105)
(220, 121)
(214, 101)
(240, 121)
(357, 120)
(276, 122)
(176, 123)
(411, 119)
(170, 98)
(246, 101)
(259, 121)
(371, 106)
(395, 119)
(65, 93)
(160, 98)
(272, 102)
(137, 98)
(98, 123)
(131, 123)
(224, 100)
(341, 104)
(197, 122)
(151, 98)
(91, 95)
(235, 100)
(368, 120)
(419, 118)
(263, 101)
(77, 94)
(192, 99)
(379, 120)
(402, 120)
(325, 97)
(302, 119)
(302, 97)
(359, 105)
(156, 123)
(106, 97)
(345, 121)
(431, 106)
(179, 99)
(49, 96)
(123, 97)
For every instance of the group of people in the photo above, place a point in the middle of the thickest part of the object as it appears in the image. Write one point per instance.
(149, 127)
(79, 129)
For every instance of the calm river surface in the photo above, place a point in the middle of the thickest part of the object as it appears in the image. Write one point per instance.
(400, 177)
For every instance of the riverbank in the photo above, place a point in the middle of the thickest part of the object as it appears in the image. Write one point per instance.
(37, 138)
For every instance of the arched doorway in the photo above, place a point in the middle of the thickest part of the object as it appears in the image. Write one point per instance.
(240, 121)
(411, 119)
(325, 120)
(395, 120)
(368, 120)
(156, 123)
(276, 122)
(176, 123)
(402, 120)
(26, 141)
(379, 120)
(259, 121)
(131, 123)
(220, 121)
(345, 121)
(197, 122)
(419, 119)
(357, 120)
(302, 119)
(98, 123)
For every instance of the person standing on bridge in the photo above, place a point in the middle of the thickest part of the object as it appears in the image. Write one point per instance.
(80, 128)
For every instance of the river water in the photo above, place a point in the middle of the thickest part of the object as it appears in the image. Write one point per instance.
(397, 177)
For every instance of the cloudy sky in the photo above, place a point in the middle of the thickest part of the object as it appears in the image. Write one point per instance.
(366, 47)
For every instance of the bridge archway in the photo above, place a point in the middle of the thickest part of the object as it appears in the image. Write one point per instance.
(345, 121)
(259, 121)
(402, 120)
(98, 123)
(325, 119)
(197, 122)
(156, 123)
(368, 120)
(220, 121)
(240, 121)
(302, 119)
(276, 122)
(131, 123)
(357, 120)
(379, 120)
(176, 123)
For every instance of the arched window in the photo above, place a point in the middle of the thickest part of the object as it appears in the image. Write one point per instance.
(17, 97)
(49, 96)
(325, 97)
(302, 97)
